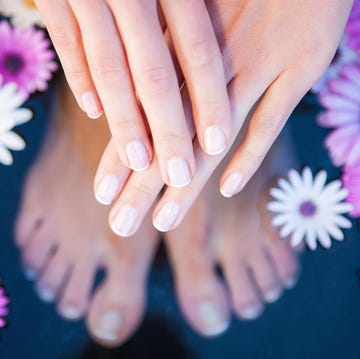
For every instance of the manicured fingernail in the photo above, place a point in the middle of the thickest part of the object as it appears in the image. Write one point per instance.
(124, 222)
(272, 295)
(215, 140)
(137, 155)
(178, 172)
(46, 294)
(251, 312)
(30, 274)
(166, 216)
(231, 185)
(91, 105)
(107, 189)
(70, 312)
(109, 326)
(212, 319)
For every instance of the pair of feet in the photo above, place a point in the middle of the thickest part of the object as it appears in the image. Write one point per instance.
(64, 238)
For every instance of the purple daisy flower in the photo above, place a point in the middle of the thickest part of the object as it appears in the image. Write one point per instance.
(342, 104)
(351, 181)
(4, 301)
(25, 58)
(353, 27)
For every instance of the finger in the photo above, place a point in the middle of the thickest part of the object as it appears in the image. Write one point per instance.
(110, 72)
(265, 125)
(201, 62)
(251, 88)
(157, 87)
(65, 35)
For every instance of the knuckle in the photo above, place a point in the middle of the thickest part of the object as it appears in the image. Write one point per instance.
(267, 124)
(64, 40)
(202, 52)
(156, 79)
(105, 64)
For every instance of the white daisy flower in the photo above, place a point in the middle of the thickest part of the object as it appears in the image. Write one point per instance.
(23, 13)
(11, 115)
(309, 209)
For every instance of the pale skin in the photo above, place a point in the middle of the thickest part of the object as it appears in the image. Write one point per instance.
(272, 51)
(292, 49)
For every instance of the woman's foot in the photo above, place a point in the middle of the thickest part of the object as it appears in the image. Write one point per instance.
(63, 233)
(234, 234)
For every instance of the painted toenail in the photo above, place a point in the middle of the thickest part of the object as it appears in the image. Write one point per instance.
(178, 172)
(30, 274)
(232, 184)
(70, 312)
(251, 312)
(272, 295)
(124, 222)
(107, 189)
(137, 156)
(109, 326)
(215, 141)
(290, 283)
(166, 216)
(212, 319)
(46, 294)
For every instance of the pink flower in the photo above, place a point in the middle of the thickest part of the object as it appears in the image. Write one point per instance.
(4, 301)
(351, 181)
(352, 29)
(342, 104)
(25, 58)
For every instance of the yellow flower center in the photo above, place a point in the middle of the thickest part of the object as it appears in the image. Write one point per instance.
(29, 3)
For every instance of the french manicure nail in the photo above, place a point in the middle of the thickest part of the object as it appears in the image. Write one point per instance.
(46, 294)
(178, 172)
(290, 283)
(137, 155)
(251, 312)
(166, 216)
(212, 319)
(215, 140)
(70, 312)
(90, 104)
(231, 185)
(109, 325)
(124, 222)
(107, 189)
(30, 274)
(272, 295)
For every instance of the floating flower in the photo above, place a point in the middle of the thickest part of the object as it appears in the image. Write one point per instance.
(4, 301)
(344, 55)
(351, 181)
(342, 104)
(23, 13)
(352, 29)
(25, 58)
(11, 115)
(308, 209)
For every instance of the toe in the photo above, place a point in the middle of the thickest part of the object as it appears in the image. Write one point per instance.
(285, 261)
(201, 295)
(117, 307)
(244, 294)
(74, 301)
(53, 277)
(36, 253)
(264, 275)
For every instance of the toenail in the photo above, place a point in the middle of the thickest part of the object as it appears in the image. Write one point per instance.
(70, 312)
(107, 189)
(166, 216)
(46, 294)
(109, 326)
(30, 274)
(232, 184)
(290, 283)
(215, 140)
(272, 295)
(251, 312)
(178, 172)
(212, 319)
(137, 156)
(124, 222)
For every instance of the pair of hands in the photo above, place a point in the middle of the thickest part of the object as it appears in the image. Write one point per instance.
(237, 57)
